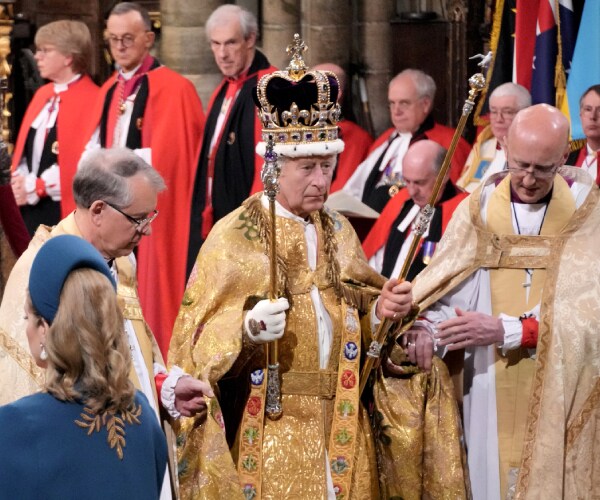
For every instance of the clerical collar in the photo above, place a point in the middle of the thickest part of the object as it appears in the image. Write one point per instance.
(61, 87)
(146, 65)
(129, 74)
(514, 197)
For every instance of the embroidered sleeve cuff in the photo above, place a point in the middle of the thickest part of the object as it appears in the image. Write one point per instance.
(167, 393)
(512, 333)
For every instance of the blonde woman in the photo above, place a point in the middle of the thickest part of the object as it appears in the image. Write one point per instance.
(50, 141)
(89, 434)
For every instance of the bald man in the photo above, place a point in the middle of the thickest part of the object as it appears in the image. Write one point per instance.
(516, 283)
(356, 139)
(388, 242)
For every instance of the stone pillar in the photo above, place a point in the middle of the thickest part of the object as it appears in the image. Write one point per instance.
(375, 53)
(280, 20)
(184, 47)
(327, 31)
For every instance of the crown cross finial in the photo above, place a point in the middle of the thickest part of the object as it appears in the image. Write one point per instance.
(297, 68)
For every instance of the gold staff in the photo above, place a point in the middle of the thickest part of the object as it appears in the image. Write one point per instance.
(270, 178)
(477, 83)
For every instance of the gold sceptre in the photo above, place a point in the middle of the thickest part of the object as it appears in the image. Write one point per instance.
(270, 179)
(477, 83)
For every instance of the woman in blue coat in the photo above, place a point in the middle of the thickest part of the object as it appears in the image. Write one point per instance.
(89, 434)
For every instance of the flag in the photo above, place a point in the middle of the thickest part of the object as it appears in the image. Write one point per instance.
(546, 50)
(502, 46)
(525, 29)
(585, 66)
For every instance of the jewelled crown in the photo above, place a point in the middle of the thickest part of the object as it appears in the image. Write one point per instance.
(298, 108)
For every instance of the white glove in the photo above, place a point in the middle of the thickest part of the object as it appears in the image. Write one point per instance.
(266, 321)
(51, 178)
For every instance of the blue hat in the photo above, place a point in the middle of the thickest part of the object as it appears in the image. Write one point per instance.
(53, 263)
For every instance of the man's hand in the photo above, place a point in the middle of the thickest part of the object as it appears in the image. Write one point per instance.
(419, 346)
(395, 300)
(189, 396)
(470, 329)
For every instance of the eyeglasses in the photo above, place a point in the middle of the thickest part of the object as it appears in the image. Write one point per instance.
(504, 113)
(140, 224)
(521, 170)
(126, 40)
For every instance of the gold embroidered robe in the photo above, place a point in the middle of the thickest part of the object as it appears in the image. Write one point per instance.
(559, 458)
(231, 273)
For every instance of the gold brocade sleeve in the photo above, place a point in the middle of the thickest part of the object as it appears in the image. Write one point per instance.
(419, 436)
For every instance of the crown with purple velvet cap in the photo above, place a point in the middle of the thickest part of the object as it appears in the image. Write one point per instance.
(298, 109)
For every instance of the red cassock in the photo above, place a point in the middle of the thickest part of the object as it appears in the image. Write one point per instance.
(172, 127)
(72, 129)
(380, 231)
(357, 144)
(443, 136)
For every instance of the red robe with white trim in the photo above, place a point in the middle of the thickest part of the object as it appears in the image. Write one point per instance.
(172, 128)
(357, 144)
(72, 126)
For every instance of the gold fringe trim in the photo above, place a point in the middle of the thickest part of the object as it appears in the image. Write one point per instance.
(358, 295)
(260, 218)
(495, 36)
(576, 145)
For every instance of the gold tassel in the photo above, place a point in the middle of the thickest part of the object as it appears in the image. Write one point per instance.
(560, 81)
(495, 36)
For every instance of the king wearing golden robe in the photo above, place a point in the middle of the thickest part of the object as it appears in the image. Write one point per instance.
(327, 301)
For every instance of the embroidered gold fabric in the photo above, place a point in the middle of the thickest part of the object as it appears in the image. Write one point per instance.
(419, 439)
(207, 342)
(554, 462)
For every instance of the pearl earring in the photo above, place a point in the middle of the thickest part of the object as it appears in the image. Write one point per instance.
(43, 353)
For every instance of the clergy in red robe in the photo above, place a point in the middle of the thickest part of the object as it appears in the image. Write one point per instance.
(228, 167)
(410, 94)
(50, 139)
(588, 156)
(150, 108)
(388, 242)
